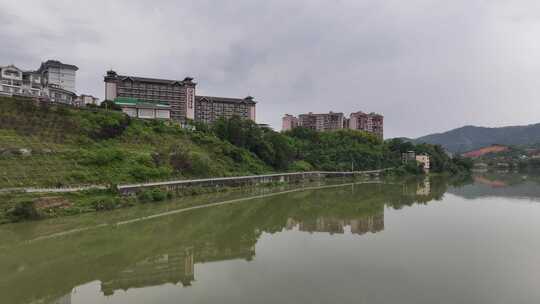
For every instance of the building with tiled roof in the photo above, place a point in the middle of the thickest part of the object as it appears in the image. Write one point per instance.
(372, 123)
(53, 81)
(180, 96)
(208, 108)
(60, 74)
(137, 108)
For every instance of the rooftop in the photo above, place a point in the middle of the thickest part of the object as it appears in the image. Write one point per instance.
(112, 75)
(320, 114)
(56, 64)
(139, 103)
(248, 99)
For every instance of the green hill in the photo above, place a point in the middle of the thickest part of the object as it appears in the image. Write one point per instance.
(471, 137)
(52, 145)
(56, 145)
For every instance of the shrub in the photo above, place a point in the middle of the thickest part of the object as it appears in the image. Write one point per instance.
(108, 203)
(144, 173)
(413, 168)
(200, 165)
(24, 211)
(152, 195)
(180, 159)
(101, 157)
(110, 105)
(300, 166)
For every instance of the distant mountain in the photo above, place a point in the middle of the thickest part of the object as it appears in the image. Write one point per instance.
(405, 139)
(486, 150)
(471, 138)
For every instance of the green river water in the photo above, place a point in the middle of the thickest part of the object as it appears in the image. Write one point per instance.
(403, 242)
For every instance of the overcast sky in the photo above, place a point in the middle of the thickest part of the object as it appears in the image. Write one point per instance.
(427, 66)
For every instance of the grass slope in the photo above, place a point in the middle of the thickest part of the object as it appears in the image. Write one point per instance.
(74, 147)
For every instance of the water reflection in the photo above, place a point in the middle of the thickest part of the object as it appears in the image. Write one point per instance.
(358, 226)
(501, 184)
(167, 250)
(174, 267)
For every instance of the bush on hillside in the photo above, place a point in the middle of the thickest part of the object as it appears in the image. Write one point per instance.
(144, 173)
(23, 211)
(152, 195)
(99, 157)
(300, 166)
(107, 203)
(110, 105)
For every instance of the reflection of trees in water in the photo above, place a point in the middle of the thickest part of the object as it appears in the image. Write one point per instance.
(373, 224)
(419, 191)
(65, 299)
(494, 184)
(166, 250)
(174, 267)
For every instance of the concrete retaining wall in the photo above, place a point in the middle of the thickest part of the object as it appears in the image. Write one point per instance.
(244, 180)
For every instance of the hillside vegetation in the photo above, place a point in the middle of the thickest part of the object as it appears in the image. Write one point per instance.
(44, 145)
(470, 138)
(55, 145)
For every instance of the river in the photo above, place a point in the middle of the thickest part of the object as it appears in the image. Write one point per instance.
(425, 241)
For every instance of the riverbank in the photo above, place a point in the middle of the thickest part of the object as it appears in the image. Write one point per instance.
(65, 150)
(35, 205)
(54, 146)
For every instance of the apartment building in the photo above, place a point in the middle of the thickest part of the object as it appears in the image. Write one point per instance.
(85, 99)
(58, 74)
(179, 95)
(209, 109)
(56, 94)
(420, 159)
(136, 108)
(424, 161)
(289, 122)
(372, 122)
(14, 81)
(408, 156)
(53, 81)
(321, 122)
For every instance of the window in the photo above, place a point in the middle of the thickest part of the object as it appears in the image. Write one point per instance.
(11, 73)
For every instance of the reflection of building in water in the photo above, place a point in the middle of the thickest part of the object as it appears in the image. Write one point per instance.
(424, 188)
(167, 268)
(66, 299)
(362, 225)
(176, 267)
(371, 224)
(210, 252)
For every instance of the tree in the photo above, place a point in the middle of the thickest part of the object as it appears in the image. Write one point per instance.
(110, 105)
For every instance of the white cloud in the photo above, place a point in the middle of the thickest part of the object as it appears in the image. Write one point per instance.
(426, 65)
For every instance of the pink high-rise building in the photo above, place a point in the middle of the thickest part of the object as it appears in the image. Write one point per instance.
(289, 122)
(371, 123)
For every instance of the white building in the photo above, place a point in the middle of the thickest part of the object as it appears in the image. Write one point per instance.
(139, 109)
(88, 99)
(53, 81)
(11, 80)
(60, 74)
(57, 94)
(15, 81)
(423, 159)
